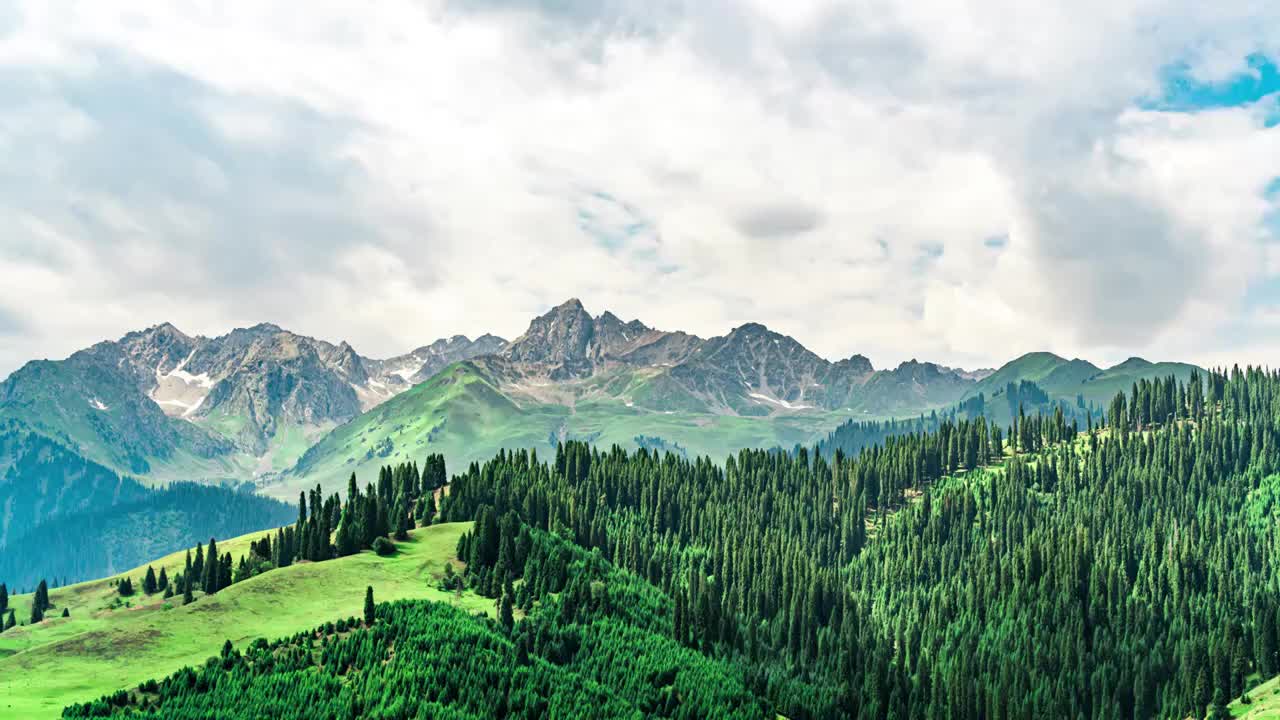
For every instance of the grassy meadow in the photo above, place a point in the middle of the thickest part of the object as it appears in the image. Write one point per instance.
(110, 642)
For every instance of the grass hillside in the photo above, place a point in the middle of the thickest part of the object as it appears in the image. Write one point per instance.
(458, 413)
(1101, 388)
(1065, 379)
(1263, 704)
(110, 643)
(1036, 367)
(462, 414)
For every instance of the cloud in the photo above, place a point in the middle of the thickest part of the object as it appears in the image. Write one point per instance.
(457, 165)
(778, 220)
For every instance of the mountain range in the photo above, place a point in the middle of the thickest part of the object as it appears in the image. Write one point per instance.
(281, 410)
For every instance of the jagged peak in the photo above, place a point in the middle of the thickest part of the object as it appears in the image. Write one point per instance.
(751, 328)
(572, 304)
(858, 360)
(265, 327)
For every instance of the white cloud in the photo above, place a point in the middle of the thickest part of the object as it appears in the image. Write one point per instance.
(396, 173)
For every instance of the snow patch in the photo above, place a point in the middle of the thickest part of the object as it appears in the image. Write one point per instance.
(202, 380)
(780, 403)
(97, 404)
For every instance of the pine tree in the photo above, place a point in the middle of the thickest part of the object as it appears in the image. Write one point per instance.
(187, 596)
(430, 514)
(197, 566)
(66, 612)
(224, 577)
(368, 606)
(149, 582)
(41, 598)
(212, 570)
(4, 598)
(163, 582)
(37, 613)
(505, 615)
(402, 522)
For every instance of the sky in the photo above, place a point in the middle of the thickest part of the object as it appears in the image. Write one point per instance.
(950, 180)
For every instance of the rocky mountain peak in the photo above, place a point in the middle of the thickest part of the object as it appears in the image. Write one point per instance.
(560, 335)
(856, 365)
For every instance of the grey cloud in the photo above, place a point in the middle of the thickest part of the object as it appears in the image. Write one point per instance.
(778, 220)
(10, 323)
(1111, 265)
(246, 221)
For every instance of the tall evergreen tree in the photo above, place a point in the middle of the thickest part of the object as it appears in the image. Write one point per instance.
(41, 598)
(212, 575)
(197, 565)
(369, 608)
(187, 575)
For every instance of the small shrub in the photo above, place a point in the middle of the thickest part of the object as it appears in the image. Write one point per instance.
(384, 547)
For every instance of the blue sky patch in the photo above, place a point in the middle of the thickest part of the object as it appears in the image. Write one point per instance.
(1184, 93)
(610, 222)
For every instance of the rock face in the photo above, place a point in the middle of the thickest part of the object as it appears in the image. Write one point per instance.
(421, 364)
(750, 371)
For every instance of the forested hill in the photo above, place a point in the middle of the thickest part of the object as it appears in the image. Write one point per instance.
(65, 518)
(1049, 570)
(97, 542)
(1122, 573)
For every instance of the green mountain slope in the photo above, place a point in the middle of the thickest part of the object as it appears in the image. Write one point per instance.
(93, 407)
(106, 645)
(1070, 380)
(459, 413)
(463, 414)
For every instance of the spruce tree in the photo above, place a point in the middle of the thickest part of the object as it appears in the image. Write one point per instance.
(66, 612)
(187, 597)
(37, 613)
(197, 566)
(368, 606)
(163, 582)
(224, 577)
(42, 596)
(4, 598)
(212, 572)
(505, 615)
(149, 582)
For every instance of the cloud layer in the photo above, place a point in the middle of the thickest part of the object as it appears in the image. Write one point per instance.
(959, 181)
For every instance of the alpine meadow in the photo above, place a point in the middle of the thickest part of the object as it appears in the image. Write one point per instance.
(471, 359)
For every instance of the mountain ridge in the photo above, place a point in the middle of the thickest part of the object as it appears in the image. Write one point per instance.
(250, 404)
